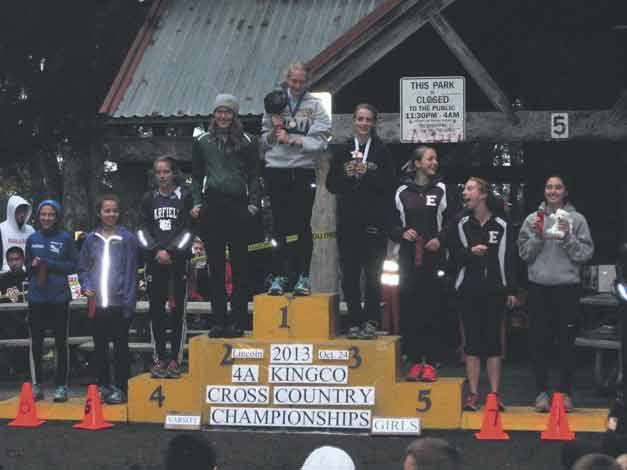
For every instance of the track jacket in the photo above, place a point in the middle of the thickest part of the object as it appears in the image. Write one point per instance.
(12, 235)
(495, 270)
(363, 201)
(555, 261)
(109, 267)
(312, 123)
(57, 249)
(164, 223)
(234, 174)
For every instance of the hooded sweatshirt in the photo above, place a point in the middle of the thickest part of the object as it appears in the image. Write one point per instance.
(12, 235)
(56, 248)
(310, 122)
(554, 261)
(109, 267)
(328, 458)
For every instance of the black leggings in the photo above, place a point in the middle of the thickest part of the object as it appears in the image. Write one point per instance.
(421, 303)
(359, 251)
(40, 317)
(226, 222)
(292, 192)
(554, 314)
(161, 279)
(108, 325)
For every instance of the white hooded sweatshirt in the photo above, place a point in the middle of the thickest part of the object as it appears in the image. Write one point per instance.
(12, 235)
(328, 458)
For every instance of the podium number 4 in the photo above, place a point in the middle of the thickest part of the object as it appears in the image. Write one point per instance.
(158, 396)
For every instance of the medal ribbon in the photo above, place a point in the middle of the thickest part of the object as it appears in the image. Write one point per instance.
(366, 150)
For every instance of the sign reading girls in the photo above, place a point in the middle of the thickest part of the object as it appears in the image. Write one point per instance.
(433, 109)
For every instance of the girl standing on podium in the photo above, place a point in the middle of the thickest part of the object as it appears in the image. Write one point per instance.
(423, 209)
(362, 177)
(482, 247)
(165, 238)
(50, 257)
(107, 271)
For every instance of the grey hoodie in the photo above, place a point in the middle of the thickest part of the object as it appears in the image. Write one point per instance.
(12, 235)
(313, 125)
(554, 261)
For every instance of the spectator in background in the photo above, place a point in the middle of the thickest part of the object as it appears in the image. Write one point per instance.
(362, 177)
(190, 452)
(596, 462)
(199, 274)
(50, 257)
(328, 458)
(429, 453)
(555, 242)
(108, 275)
(622, 461)
(164, 236)
(14, 231)
(291, 142)
(11, 281)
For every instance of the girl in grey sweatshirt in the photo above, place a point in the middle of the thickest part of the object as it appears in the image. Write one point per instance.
(555, 242)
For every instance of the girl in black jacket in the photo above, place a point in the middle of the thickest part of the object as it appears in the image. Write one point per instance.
(423, 205)
(165, 239)
(482, 246)
(362, 177)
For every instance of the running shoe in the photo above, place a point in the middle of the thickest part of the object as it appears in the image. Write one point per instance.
(368, 330)
(60, 394)
(216, 331)
(158, 369)
(302, 286)
(414, 373)
(569, 406)
(277, 287)
(232, 331)
(499, 400)
(472, 402)
(104, 392)
(353, 332)
(116, 397)
(173, 370)
(542, 403)
(428, 374)
(38, 393)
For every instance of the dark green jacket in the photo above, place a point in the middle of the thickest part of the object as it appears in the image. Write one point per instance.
(234, 173)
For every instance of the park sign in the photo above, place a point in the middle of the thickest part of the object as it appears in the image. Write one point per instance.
(433, 109)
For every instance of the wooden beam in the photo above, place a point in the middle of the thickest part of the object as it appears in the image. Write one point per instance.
(374, 43)
(472, 65)
(487, 127)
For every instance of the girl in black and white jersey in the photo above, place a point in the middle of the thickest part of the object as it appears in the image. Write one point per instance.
(482, 247)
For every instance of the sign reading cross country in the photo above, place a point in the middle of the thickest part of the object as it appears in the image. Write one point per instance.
(433, 109)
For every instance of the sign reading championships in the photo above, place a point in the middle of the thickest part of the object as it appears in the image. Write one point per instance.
(433, 109)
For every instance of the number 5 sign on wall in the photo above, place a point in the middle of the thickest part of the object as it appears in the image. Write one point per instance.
(559, 125)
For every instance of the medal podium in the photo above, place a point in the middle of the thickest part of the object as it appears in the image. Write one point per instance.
(295, 371)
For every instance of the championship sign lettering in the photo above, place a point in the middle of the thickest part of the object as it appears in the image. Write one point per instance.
(433, 109)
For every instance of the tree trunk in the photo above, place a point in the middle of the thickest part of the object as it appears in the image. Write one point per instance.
(76, 204)
(324, 260)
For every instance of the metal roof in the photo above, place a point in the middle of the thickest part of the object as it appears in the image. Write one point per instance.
(199, 48)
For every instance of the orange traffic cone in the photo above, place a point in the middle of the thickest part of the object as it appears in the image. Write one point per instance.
(557, 428)
(492, 428)
(93, 420)
(27, 412)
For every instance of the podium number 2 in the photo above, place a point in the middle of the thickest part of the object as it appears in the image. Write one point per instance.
(284, 317)
(424, 397)
(158, 396)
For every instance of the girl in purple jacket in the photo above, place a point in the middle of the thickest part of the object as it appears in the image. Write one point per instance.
(107, 273)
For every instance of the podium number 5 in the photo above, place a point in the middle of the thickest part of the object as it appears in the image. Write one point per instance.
(424, 397)
(559, 125)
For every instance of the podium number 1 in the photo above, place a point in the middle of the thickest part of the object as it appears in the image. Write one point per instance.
(284, 317)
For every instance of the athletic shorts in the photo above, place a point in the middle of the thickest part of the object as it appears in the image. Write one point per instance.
(482, 316)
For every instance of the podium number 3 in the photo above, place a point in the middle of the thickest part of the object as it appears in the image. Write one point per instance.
(284, 317)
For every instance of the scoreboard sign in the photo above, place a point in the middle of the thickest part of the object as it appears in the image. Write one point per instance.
(433, 109)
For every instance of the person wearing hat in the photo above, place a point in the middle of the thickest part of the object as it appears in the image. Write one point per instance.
(225, 191)
(50, 257)
(292, 139)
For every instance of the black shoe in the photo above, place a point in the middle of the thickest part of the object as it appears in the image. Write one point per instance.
(216, 332)
(233, 331)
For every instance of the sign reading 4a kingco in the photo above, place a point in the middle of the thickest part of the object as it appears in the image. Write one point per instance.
(433, 109)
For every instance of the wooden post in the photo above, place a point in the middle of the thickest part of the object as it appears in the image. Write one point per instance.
(324, 261)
